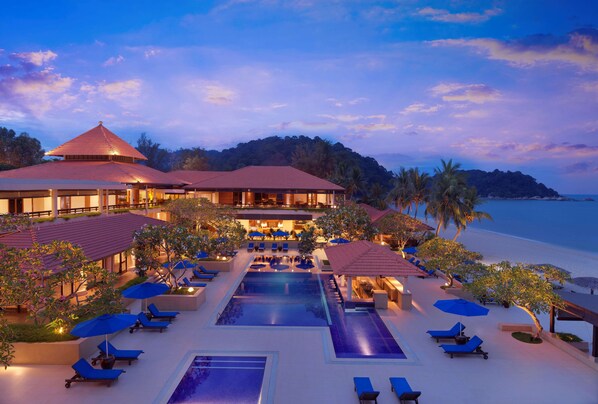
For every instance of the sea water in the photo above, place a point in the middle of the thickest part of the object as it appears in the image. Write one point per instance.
(572, 224)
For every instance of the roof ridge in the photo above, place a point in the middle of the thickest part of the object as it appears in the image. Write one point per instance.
(104, 134)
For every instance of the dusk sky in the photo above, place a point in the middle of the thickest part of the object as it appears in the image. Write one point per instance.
(511, 85)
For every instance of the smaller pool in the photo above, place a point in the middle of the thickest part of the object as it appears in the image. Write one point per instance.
(221, 379)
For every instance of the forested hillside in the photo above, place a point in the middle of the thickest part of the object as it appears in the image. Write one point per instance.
(500, 184)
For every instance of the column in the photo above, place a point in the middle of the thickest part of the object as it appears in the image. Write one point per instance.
(349, 288)
(146, 201)
(100, 201)
(54, 201)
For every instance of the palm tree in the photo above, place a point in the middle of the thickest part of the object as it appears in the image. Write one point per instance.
(375, 196)
(401, 193)
(355, 182)
(446, 200)
(419, 187)
(471, 199)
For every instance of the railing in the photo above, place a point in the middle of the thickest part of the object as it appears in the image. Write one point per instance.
(72, 211)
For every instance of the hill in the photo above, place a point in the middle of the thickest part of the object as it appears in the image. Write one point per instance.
(500, 184)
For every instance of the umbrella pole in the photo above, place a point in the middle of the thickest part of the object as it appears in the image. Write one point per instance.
(107, 354)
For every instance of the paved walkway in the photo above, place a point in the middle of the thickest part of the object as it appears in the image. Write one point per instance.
(306, 371)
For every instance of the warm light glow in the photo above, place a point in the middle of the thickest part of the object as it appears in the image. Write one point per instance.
(60, 330)
(190, 290)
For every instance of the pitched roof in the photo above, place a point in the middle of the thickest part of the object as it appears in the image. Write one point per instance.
(373, 213)
(193, 176)
(98, 141)
(99, 237)
(266, 178)
(113, 171)
(364, 258)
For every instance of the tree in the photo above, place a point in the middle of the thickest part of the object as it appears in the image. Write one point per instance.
(307, 242)
(19, 151)
(401, 228)
(315, 158)
(14, 222)
(375, 197)
(470, 201)
(451, 257)
(157, 157)
(445, 203)
(190, 159)
(401, 193)
(419, 187)
(349, 221)
(197, 213)
(521, 286)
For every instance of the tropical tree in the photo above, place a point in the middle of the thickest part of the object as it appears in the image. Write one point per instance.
(316, 158)
(157, 157)
(198, 214)
(307, 241)
(445, 204)
(527, 288)
(7, 351)
(14, 222)
(349, 221)
(375, 197)
(451, 257)
(471, 200)
(401, 193)
(419, 182)
(401, 228)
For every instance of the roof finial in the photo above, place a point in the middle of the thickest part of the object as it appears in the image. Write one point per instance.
(100, 123)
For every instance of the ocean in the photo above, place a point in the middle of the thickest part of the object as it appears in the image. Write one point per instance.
(571, 224)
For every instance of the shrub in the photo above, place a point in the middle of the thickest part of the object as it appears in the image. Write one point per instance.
(567, 337)
(37, 333)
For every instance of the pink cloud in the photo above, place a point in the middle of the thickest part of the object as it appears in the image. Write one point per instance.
(436, 14)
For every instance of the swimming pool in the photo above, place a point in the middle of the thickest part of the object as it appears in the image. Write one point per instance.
(303, 299)
(221, 379)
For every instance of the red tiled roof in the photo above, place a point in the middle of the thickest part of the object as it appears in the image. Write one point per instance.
(193, 176)
(266, 178)
(125, 173)
(364, 258)
(99, 237)
(98, 141)
(373, 213)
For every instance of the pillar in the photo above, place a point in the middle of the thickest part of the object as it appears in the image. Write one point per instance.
(146, 201)
(54, 201)
(243, 199)
(552, 319)
(595, 341)
(349, 288)
(100, 201)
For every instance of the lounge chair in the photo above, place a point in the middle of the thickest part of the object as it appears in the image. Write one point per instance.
(208, 271)
(166, 315)
(403, 390)
(285, 247)
(261, 247)
(364, 389)
(472, 347)
(206, 277)
(189, 284)
(84, 372)
(412, 260)
(447, 334)
(144, 323)
(250, 247)
(274, 247)
(119, 354)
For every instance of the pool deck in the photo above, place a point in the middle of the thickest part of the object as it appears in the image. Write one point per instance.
(305, 371)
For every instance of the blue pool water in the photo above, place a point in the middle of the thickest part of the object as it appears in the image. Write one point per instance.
(302, 299)
(221, 379)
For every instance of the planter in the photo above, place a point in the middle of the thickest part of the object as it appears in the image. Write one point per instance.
(179, 302)
(225, 266)
(107, 362)
(55, 353)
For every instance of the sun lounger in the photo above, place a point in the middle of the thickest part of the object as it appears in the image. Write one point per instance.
(412, 260)
(198, 275)
(447, 334)
(364, 389)
(166, 315)
(84, 372)
(285, 247)
(144, 323)
(208, 271)
(274, 247)
(472, 347)
(250, 247)
(261, 247)
(119, 354)
(189, 284)
(403, 390)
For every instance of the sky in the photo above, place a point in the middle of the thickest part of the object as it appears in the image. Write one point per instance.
(509, 85)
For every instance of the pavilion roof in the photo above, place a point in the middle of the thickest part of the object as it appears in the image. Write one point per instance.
(111, 171)
(377, 214)
(193, 176)
(266, 178)
(99, 141)
(99, 237)
(364, 258)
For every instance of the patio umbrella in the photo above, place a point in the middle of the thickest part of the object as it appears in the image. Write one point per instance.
(202, 254)
(280, 233)
(256, 234)
(104, 325)
(145, 290)
(410, 250)
(590, 282)
(461, 307)
(339, 240)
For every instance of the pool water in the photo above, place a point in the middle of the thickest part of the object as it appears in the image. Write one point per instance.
(221, 379)
(302, 299)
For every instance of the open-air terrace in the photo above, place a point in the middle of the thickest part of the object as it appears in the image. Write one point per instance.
(302, 367)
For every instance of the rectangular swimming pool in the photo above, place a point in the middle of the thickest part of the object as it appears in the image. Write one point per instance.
(221, 379)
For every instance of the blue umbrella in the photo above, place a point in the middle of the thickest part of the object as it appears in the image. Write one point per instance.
(145, 290)
(339, 240)
(461, 307)
(256, 234)
(104, 325)
(202, 254)
(280, 233)
(305, 266)
(410, 250)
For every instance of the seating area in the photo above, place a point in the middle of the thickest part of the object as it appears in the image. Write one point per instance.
(365, 390)
(472, 347)
(403, 390)
(161, 315)
(455, 330)
(189, 284)
(84, 372)
(202, 276)
(128, 355)
(144, 323)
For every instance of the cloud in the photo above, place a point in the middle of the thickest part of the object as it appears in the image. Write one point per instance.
(579, 48)
(219, 95)
(119, 90)
(114, 60)
(35, 58)
(583, 167)
(373, 127)
(419, 107)
(436, 14)
(304, 126)
(474, 113)
(341, 103)
(457, 92)
(150, 53)
(342, 118)
(591, 86)
(271, 107)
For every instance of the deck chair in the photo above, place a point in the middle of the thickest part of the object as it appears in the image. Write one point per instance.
(447, 334)
(472, 347)
(189, 284)
(403, 390)
(198, 275)
(365, 390)
(250, 247)
(274, 247)
(166, 315)
(285, 247)
(129, 355)
(84, 372)
(144, 323)
(261, 247)
(412, 260)
(208, 271)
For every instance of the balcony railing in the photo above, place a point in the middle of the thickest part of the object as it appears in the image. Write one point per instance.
(74, 211)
